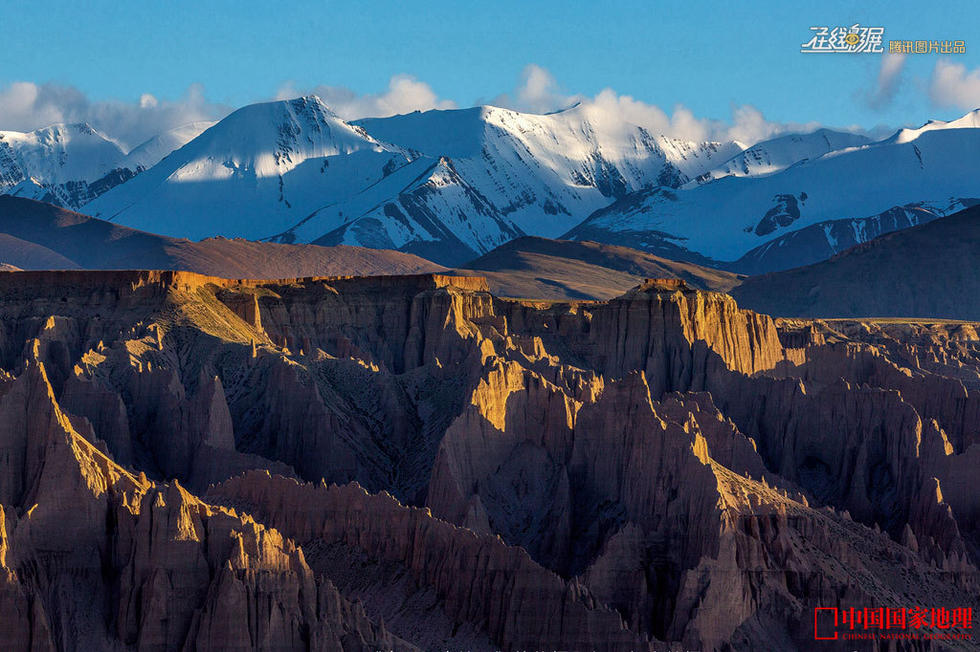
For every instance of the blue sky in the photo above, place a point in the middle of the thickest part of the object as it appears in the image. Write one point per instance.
(706, 56)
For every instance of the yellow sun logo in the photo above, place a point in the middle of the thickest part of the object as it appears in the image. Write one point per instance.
(852, 39)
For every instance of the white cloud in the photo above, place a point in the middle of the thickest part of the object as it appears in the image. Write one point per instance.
(404, 94)
(21, 109)
(889, 77)
(951, 85)
(539, 92)
(25, 106)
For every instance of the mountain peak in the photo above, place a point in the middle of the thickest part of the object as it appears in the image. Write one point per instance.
(970, 119)
(83, 128)
(314, 102)
(70, 128)
(310, 106)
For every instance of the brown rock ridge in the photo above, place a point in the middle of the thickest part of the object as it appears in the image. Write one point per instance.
(566, 270)
(923, 271)
(36, 235)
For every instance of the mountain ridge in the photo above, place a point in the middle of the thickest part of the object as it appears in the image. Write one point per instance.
(36, 235)
(727, 218)
(561, 270)
(926, 271)
(452, 185)
(512, 171)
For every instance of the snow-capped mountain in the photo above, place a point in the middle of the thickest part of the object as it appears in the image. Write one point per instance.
(822, 240)
(545, 173)
(254, 174)
(859, 188)
(486, 175)
(447, 184)
(59, 164)
(451, 185)
(71, 164)
(969, 121)
(780, 153)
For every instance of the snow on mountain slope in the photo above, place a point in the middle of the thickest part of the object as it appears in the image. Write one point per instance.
(63, 152)
(780, 153)
(425, 208)
(726, 218)
(65, 163)
(545, 173)
(146, 155)
(822, 240)
(71, 164)
(451, 184)
(254, 174)
(969, 121)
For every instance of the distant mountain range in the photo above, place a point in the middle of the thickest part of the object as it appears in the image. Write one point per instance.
(448, 185)
(777, 154)
(452, 185)
(925, 271)
(756, 222)
(850, 195)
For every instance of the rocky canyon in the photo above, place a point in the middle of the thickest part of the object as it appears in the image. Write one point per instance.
(409, 462)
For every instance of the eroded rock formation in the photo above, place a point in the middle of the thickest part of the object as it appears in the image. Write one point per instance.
(399, 462)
